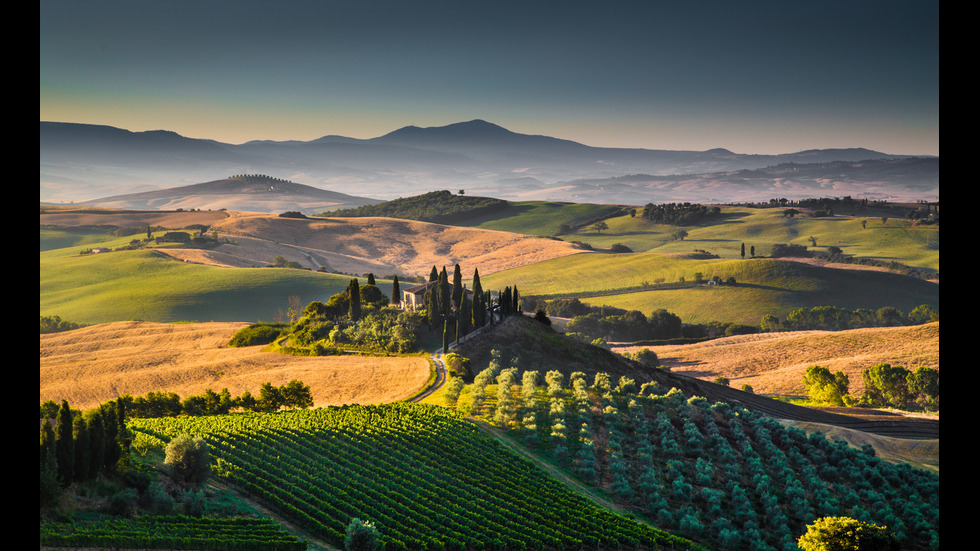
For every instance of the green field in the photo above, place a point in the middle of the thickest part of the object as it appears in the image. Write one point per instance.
(763, 286)
(143, 285)
(898, 240)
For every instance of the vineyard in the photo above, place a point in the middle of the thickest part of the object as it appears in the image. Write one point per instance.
(424, 476)
(172, 532)
(713, 472)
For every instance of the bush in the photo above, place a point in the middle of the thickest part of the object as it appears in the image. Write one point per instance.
(258, 334)
(361, 536)
(843, 533)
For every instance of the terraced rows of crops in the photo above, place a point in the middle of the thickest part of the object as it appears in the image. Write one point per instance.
(424, 476)
(172, 532)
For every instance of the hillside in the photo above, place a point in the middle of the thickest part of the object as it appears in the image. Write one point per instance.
(220, 281)
(95, 364)
(774, 363)
(648, 281)
(257, 193)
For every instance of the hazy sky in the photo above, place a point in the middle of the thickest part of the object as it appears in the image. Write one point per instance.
(752, 76)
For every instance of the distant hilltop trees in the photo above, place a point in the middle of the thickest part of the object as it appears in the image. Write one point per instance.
(441, 207)
(259, 179)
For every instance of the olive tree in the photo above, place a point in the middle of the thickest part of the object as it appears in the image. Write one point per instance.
(188, 459)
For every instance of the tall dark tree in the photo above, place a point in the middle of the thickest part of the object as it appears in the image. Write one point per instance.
(434, 274)
(463, 319)
(354, 309)
(445, 293)
(123, 437)
(65, 445)
(516, 297)
(457, 287)
(112, 450)
(743, 250)
(96, 438)
(370, 279)
(50, 488)
(396, 293)
(445, 336)
(479, 310)
(432, 312)
(79, 434)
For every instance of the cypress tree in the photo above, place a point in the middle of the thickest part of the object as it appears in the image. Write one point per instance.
(370, 279)
(112, 451)
(355, 300)
(445, 336)
(457, 287)
(445, 292)
(434, 274)
(49, 464)
(65, 445)
(516, 307)
(395, 291)
(432, 307)
(81, 445)
(97, 443)
(479, 309)
(122, 433)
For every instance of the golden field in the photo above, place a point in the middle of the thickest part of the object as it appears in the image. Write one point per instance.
(95, 364)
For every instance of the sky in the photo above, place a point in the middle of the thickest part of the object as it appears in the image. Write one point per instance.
(761, 76)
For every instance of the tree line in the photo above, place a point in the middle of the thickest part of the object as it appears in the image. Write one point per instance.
(678, 214)
(441, 207)
(885, 385)
(835, 318)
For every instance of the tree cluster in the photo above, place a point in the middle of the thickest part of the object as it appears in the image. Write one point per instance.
(834, 318)
(627, 326)
(437, 206)
(884, 386)
(678, 214)
(77, 446)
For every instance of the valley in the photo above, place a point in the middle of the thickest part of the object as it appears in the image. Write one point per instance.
(159, 316)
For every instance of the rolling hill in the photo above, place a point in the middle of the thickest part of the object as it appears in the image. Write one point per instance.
(239, 193)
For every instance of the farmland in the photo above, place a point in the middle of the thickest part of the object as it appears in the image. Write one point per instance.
(608, 453)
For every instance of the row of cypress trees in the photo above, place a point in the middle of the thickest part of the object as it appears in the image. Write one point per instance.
(76, 446)
(447, 304)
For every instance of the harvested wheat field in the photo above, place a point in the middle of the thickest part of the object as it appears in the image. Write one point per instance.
(378, 245)
(95, 364)
(774, 363)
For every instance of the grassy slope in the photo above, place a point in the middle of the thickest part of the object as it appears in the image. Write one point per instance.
(538, 217)
(142, 285)
(894, 240)
(763, 285)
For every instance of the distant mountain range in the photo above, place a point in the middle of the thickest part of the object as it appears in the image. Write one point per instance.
(81, 162)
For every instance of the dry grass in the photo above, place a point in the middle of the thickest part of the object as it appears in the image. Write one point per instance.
(774, 363)
(385, 245)
(92, 365)
(344, 245)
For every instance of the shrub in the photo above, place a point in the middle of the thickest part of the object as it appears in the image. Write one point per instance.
(255, 335)
(842, 533)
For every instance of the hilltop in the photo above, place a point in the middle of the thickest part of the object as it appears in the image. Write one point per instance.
(257, 193)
